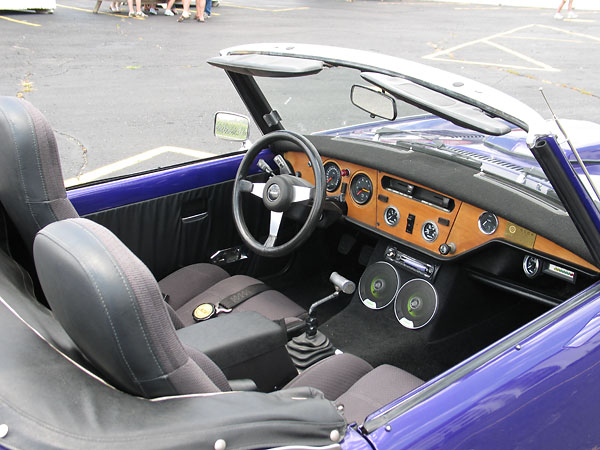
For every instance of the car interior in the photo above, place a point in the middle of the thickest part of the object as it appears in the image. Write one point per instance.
(409, 262)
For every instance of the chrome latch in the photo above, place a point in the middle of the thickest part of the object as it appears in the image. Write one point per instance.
(229, 255)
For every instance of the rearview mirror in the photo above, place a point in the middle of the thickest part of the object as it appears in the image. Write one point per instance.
(376, 103)
(231, 126)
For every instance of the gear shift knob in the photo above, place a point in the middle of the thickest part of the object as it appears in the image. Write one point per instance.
(342, 284)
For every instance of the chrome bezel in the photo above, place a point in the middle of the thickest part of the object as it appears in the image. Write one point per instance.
(537, 266)
(385, 218)
(405, 322)
(360, 281)
(437, 231)
(339, 170)
(356, 175)
(481, 228)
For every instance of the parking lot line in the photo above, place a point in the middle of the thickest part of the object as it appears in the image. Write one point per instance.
(22, 22)
(104, 171)
(122, 16)
(489, 40)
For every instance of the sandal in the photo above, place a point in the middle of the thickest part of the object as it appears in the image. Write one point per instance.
(198, 19)
(140, 14)
(183, 17)
(131, 14)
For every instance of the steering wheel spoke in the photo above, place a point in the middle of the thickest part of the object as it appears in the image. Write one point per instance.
(274, 225)
(256, 189)
(302, 193)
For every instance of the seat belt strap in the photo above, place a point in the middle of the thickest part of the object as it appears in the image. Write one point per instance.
(242, 295)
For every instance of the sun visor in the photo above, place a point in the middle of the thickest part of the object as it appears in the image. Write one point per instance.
(436, 103)
(267, 66)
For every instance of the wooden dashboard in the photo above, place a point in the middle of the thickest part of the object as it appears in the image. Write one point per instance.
(425, 218)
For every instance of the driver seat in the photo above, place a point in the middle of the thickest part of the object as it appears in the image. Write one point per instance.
(32, 192)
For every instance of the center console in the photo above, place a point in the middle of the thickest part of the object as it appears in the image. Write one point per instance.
(243, 344)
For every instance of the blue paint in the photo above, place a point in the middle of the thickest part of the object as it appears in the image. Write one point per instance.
(543, 395)
(115, 193)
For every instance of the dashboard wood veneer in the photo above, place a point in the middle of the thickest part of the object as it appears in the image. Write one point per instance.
(463, 229)
(422, 213)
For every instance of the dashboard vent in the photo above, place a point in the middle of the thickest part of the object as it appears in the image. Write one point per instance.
(418, 193)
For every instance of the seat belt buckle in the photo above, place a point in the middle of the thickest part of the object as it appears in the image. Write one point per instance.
(205, 311)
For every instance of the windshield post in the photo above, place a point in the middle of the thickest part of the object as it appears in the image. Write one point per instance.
(571, 192)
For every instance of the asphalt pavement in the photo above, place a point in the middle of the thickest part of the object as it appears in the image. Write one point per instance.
(126, 94)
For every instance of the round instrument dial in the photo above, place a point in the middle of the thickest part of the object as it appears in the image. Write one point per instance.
(531, 266)
(488, 223)
(429, 231)
(391, 216)
(333, 176)
(361, 188)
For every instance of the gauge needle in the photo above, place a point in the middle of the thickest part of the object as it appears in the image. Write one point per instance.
(329, 179)
(363, 189)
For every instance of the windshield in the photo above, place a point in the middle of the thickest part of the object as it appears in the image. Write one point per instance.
(298, 103)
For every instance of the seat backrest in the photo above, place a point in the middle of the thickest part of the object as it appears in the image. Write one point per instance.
(111, 306)
(31, 183)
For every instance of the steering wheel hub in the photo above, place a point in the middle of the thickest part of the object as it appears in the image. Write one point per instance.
(279, 194)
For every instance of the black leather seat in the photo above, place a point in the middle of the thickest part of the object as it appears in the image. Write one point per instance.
(33, 194)
(111, 306)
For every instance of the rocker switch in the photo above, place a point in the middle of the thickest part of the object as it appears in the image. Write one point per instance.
(410, 223)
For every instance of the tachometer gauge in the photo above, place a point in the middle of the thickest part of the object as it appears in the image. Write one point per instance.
(391, 216)
(333, 176)
(361, 188)
(429, 231)
(531, 266)
(488, 223)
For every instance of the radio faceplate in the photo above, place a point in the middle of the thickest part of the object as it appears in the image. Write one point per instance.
(409, 263)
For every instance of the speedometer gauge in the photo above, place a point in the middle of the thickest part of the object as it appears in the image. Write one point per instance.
(333, 176)
(361, 188)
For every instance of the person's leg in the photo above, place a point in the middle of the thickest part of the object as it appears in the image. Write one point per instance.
(200, 4)
(562, 3)
(138, 5)
(130, 5)
(208, 7)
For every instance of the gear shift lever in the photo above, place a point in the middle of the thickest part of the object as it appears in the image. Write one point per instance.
(342, 285)
(312, 346)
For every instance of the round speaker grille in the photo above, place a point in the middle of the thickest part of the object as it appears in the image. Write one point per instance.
(416, 303)
(378, 285)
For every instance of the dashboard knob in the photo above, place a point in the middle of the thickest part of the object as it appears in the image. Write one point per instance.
(447, 249)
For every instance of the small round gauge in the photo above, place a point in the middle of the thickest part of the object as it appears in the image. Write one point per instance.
(361, 188)
(429, 231)
(488, 223)
(333, 176)
(531, 266)
(391, 216)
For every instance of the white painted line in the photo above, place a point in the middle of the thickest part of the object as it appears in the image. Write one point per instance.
(571, 33)
(541, 65)
(533, 38)
(476, 41)
(132, 161)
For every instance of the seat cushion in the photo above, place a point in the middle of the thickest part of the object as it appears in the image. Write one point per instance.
(271, 304)
(375, 390)
(353, 383)
(184, 284)
(333, 376)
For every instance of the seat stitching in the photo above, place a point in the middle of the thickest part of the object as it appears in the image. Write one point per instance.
(127, 287)
(90, 274)
(20, 172)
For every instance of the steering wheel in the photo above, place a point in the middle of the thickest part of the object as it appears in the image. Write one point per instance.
(279, 193)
